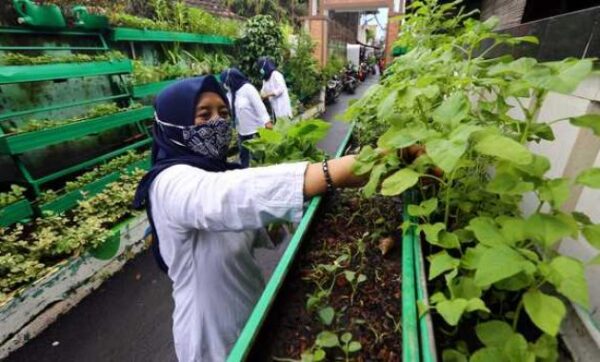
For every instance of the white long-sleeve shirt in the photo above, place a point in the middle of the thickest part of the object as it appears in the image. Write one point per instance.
(208, 224)
(250, 110)
(280, 101)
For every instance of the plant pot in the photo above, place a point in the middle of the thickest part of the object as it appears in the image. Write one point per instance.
(39, 16)
(87, 21)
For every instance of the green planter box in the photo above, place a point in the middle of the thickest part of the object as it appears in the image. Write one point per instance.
(36, 73)
(70, 199)
(150, 89)
(142, 35)
(15, 212)
(24, 142)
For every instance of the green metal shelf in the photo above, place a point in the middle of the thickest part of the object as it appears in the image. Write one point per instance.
(24, 142)
(7, 30)
(69, 200)
(15, 212)
(37, 73)
(150, 89)
(143, 35)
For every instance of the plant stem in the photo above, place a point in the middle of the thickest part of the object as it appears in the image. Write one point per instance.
(517, 314)
(448, 188)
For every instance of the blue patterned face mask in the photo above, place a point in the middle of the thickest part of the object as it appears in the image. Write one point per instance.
(210, 139)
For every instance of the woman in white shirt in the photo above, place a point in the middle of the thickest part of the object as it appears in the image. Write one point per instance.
(249, 112)
(206, 214)
(274, 88)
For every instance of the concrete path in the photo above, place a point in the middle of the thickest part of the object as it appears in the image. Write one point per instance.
(129, 317)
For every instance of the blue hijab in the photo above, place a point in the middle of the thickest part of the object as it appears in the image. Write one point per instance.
(267, 65)
(234, 79)
(176, 105)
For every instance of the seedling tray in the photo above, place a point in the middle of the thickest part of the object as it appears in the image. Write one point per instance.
(36, 73)
(143, 35)
(24, 142)
(70, 199)
(150, 89)
(15, 212)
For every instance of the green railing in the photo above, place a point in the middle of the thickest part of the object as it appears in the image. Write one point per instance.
(143, 35)
(37, 73)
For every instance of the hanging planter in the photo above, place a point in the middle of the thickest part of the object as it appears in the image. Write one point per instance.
(39, 16)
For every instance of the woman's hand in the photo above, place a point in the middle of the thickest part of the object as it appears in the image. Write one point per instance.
(340, 170)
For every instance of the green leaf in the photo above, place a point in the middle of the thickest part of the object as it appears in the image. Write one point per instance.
(399, 182)
(581, 218)
(590, 178)
(591, 121)
(517, 350)
(453, 110)
(592, 235)
(346, 337)
(476, 304)
(432, 231)
(327, 339)
(494, 333)
(326, 315)
(472, 257)
(508, 184)
(446, 153)
(497, 263)
(448, 240)
(556, 192)
(371, 186)
(452, 355)
(546, 312)
(486, 231)
(364, 161)
(452, 310)
(387, 106)
(440, 263)
(464, 287)
(319, 355)
(354, 346)
(512, 228)
(504, 148)
(568, 276)
(547, 229)
(425, 208)
(545, 348)
(488, 354)
(349, 275)
(403, 137)
(570, 73)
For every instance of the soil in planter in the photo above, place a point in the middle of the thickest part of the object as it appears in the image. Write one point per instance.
(346, 224)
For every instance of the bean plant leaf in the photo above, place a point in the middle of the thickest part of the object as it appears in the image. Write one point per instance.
(592, 235)
(486, 231)
(590, 178)
(425, 208)
(371, 186)
(494, 333)
(432, 231)
(387, 106)
(591, 121)
(547, 229)
(346, 337)
(464, 287)
(399, 182)
(441, 263)
(517, 349)
(446, 153)
(327, 339)
(447, 240)
(512, 228)
(556, 192)
(452, 355)
(326, 315)
(488, 354)
(453, 309)
(545, 348)
(568, 276)
(504, 148)
(570, 73)
(364, 161)
(508, 184)
(546, 312)
(354, 346)
(497, 263)
(453, 110)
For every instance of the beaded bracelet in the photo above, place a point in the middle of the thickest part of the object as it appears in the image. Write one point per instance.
(328, 180)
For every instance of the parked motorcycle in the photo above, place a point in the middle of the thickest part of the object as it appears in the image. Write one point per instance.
(349, 80)
(333, 89)
(362, 71)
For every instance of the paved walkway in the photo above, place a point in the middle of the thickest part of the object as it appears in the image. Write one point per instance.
(129, 317)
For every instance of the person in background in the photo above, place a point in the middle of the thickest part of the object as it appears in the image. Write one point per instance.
(248, 111)
(206, 214)
(274, 88)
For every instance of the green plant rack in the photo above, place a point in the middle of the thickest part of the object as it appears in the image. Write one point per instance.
(69, 200)
(29, 141)
(37, 73)
(150, 89)
(15, 212)
(143, 35)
